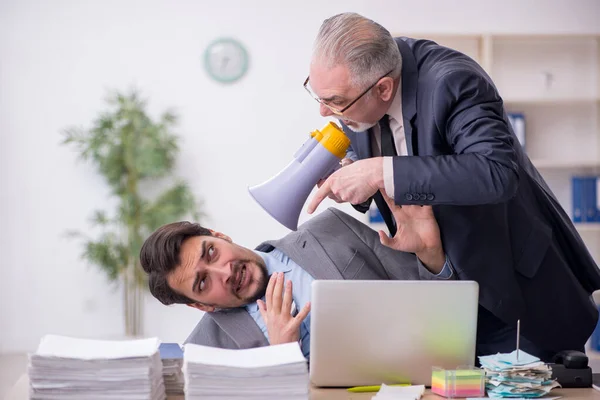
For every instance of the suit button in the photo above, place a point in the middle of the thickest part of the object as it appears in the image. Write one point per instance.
(415, 196)
(408, 196)
(422, 196)
(430, 197)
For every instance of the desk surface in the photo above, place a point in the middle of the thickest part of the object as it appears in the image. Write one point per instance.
(21, 392)
(342, 394)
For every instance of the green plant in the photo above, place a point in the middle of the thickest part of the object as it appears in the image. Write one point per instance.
(130, 150)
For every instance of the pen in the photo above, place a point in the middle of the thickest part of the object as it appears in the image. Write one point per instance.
(375, 388)
(518, 335)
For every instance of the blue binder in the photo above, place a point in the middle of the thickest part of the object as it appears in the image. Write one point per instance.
(590, 204)
(170, 351)
(374, 215)
(517, 121)
(578, 196)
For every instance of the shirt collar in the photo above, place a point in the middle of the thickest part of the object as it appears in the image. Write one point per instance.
(273, 263)
(395, 110)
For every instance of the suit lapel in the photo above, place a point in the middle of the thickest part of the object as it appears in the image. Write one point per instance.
(363, 144)
(410, 77)
(240, 326)
(306, 251)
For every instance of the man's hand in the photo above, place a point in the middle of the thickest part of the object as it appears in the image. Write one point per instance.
(276, 313)
(354, 183)
(417, 232)
(344, 162)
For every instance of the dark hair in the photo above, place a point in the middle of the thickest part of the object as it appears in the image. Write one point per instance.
(159, 256)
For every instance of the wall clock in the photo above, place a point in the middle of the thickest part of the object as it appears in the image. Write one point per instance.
(226, 60)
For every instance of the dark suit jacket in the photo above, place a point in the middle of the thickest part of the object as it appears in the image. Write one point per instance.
(500, 223)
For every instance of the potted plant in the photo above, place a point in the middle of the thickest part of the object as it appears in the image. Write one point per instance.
(131, 151)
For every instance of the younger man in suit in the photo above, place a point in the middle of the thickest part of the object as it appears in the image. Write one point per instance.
(246, 308)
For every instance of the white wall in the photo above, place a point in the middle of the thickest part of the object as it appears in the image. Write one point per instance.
(57, 58)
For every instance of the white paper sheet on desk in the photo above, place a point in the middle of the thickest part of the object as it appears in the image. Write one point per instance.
(267, 356)
(400, 392)
(88, 349)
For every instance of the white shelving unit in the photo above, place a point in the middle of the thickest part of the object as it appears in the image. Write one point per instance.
(554, 80)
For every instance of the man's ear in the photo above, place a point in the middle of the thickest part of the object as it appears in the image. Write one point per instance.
(220, 235)
(385, 88)
(202, 307)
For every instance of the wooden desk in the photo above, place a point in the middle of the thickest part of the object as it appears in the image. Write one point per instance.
(342, 394)
(21, 392)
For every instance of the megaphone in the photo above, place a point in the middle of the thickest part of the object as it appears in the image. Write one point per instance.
(283, 195)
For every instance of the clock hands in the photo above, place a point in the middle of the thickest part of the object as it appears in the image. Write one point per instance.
(224, 62)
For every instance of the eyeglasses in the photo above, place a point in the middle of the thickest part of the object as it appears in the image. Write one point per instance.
(337, 111)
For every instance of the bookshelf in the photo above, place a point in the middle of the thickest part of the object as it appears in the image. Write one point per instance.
(554, 81)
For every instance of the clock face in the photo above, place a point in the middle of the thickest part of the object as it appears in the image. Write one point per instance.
(226, 60)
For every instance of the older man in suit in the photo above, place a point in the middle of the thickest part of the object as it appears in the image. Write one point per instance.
(428, 126)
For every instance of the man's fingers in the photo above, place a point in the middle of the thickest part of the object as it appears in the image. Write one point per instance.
(302, 314)
(346, 161)
(385, 239)
(286, 305)
(323, 191)
(269, 292)
(277, 294)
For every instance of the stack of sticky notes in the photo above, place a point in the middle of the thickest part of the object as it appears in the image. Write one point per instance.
(517, 375)
(462, 382)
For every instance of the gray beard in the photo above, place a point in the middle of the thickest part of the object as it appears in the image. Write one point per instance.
(362, 126)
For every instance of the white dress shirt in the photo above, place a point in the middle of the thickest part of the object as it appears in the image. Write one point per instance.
(397, 127)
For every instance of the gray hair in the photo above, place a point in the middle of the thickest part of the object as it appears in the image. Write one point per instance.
(366, 48)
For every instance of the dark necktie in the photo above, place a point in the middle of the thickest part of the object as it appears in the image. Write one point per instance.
(388, 148)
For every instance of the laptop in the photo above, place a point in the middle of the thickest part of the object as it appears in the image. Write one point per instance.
(373, 332)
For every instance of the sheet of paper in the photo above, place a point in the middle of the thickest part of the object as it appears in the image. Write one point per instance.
(267, 356)
(400, 392)
(509, 377)
(88, 349)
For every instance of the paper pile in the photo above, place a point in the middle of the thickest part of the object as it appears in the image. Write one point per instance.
(69, 368)
(276, 372)
(171, 356)
(399, 392)
(508, 377)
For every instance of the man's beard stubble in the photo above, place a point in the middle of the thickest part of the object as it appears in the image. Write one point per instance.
(261, 282)
(359, 126)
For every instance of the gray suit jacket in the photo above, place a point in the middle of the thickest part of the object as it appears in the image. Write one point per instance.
(332, 245)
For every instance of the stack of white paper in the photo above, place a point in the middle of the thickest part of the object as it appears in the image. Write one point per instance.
(276, 372)
(525, 377)
(70, 368)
